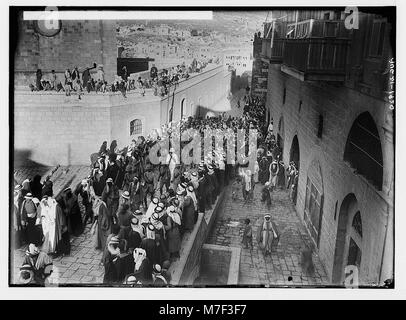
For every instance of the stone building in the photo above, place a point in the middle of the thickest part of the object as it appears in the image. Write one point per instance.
(330, 100)
(51, 128)
(259, 82)
(74, 43)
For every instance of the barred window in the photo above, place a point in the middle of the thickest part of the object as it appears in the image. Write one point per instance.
(135, 127)
(377, 38)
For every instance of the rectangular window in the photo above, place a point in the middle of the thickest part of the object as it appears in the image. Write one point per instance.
(377, 38)
(312, 209)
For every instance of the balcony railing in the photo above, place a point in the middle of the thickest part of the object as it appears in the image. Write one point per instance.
(318, 28)
(316, 58)
(273, 50)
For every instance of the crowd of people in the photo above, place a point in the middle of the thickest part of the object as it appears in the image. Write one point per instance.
(86, 81)
(139, 210)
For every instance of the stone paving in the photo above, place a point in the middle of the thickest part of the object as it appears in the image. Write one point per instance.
(83, 265)
(283, 267)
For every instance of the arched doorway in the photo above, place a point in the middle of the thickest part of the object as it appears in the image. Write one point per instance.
(281, 134)
(295, 157)
(363, 150)
(199, 106)
(294, 154)
(348, 249)
(182, 107)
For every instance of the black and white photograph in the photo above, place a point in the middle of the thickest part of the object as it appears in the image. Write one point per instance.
(208, 147)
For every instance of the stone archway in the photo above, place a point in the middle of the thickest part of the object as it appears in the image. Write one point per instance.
(281, 134)
(348, 248)
(182, 107)
(294, 156)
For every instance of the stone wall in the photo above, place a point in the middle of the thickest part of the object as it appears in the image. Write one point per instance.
(79, 43)
(215, 263)
(222, 263)
(55, 129)
(204, 90)
(339, 107)
(185, 270)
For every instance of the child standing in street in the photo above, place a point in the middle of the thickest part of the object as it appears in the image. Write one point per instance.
(236, 187)
(247, 235)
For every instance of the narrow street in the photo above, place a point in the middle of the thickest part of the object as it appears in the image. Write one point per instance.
(284, 262)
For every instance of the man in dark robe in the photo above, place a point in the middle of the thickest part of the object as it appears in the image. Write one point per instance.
(263, 174)
(164, 177)
(29, 219)
(82, 189)
(281, 175)
(148, 243)
(98, 182)
(36, 187)
(110, 196)
(104, 222)
(69, 203)
(201, 190)
(149, 188)
(47, 187)
(133, 235)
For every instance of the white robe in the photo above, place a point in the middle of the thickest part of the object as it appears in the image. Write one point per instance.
(48, 221)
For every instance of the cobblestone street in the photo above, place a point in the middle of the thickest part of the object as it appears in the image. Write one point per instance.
(283, 266)
(83, 265)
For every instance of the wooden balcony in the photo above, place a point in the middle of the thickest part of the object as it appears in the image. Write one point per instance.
(316, 59)
(317, 28)
(272, 51)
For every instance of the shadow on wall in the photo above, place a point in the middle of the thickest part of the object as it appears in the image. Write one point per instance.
(22, 158)
(22, 161)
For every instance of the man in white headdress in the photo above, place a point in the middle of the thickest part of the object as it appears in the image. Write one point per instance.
(142, 266)
(194, 179)
(53, 223)
(273, 174)
(151, 208)
(157, 277)
(265, 235)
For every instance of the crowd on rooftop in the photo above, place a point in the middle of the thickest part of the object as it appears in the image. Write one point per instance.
(88, 81)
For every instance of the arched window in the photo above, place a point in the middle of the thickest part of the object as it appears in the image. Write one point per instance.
(357, 223)
(182, 107)
(171, 114)
(363, 149)
(135, 127)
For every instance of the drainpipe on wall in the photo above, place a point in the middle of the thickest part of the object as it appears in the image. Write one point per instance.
(389, 222)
